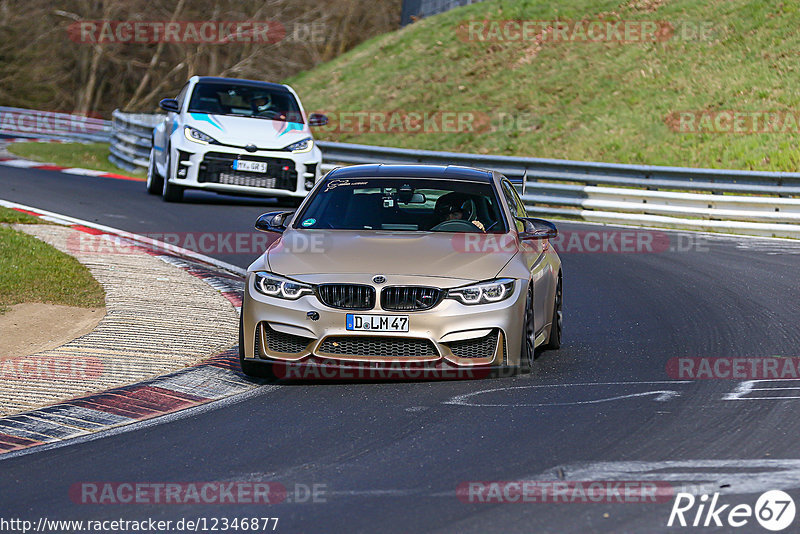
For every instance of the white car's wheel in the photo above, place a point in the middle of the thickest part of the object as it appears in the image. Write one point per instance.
(155, 182)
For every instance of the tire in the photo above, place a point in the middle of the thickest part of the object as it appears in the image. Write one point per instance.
(155, 182)
(554, 339)
(251, 368)
(170, 192)
(527, 347)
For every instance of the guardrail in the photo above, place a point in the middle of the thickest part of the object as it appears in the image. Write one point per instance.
(132, 139)
(742, 202)
(18, 122)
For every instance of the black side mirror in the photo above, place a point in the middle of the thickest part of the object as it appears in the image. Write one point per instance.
(317, 119)
(274, 221)
(169, 104)
(537, 229)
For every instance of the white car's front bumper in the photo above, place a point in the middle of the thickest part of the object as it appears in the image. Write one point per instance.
(209, 167)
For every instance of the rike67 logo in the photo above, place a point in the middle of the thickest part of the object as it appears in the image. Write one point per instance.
(774, 510)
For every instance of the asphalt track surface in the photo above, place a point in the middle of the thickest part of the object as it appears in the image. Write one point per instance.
(391, 455)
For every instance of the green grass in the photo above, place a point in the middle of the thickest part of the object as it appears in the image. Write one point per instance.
(586, 101)
(84, 155)
(33, 271)
(9, 216)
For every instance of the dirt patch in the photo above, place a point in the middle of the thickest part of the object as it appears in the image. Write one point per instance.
(31, 327)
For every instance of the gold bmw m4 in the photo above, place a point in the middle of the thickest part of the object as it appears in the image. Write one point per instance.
(402, 271)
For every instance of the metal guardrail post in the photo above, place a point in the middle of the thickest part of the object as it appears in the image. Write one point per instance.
(130, 145)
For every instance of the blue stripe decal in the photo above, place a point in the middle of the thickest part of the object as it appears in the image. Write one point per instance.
(291, 126)
(205, 117)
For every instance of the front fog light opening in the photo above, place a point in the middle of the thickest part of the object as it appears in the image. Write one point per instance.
(183, 164)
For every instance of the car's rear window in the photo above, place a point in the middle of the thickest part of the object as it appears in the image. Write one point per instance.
(403, 204)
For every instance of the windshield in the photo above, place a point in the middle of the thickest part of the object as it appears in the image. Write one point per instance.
(403, 204)
(246, 101)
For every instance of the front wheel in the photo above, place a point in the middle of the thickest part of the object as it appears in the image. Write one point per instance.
(528, 334)
(554, 340)
(155, 183)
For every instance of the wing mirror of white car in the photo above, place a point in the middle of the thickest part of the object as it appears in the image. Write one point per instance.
(274, 221)
(169, 104)
(317, 119)
(537, 229)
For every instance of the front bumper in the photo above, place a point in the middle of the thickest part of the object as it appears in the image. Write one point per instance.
(450, 334)
(209, 167)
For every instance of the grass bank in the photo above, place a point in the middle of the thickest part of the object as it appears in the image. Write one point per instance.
(33, 271)
(568, 98)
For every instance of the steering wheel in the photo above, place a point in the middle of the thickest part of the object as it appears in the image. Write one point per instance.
(456, 225)
(271, 114)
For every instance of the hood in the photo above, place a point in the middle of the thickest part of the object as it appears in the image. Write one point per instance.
(241, 131)
(343, 252)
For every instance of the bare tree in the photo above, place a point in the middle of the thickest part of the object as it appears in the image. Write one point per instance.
(44, 66)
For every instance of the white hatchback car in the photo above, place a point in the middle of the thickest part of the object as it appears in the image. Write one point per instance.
(237, 137)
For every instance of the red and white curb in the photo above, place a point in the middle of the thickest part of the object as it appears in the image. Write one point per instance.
(28, 164)
(218, 377)
(214, 379)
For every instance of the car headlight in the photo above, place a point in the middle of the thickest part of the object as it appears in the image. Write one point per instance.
(304, 145)
(273, 285)
(483, 292)
(195, 135)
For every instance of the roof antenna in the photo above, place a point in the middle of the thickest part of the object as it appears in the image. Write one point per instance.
(524, 180)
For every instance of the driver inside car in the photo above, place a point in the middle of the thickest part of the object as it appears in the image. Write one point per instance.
(263, 106)
(456, 206)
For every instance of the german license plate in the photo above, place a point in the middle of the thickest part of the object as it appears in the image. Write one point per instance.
(377, 323)
(249, 166)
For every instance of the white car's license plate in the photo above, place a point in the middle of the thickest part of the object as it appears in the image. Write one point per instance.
(249, 166)
(377, 323)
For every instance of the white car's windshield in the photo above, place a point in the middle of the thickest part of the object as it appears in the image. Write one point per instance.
(404, 204)
(261, 102)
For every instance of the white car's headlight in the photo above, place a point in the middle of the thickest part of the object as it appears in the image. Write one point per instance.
(483, 292)
(304, 145)
(193, 134)
(277, 286)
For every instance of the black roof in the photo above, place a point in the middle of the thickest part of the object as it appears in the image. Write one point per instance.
(412, 171)
(239, 81)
